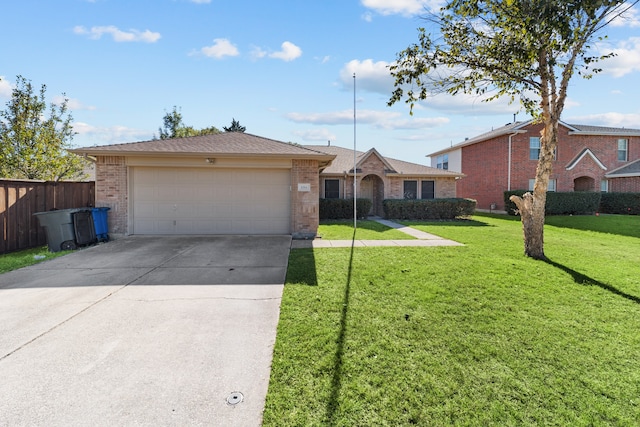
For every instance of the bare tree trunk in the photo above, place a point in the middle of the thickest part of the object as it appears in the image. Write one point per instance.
(532, 205)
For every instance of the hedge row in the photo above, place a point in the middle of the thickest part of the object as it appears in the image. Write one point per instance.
(428, 209)
(564, 203)
(343, 208)
(620, 203)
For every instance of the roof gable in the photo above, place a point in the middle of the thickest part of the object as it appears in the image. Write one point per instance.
(374, 152)
(343, 163)
(586, 152)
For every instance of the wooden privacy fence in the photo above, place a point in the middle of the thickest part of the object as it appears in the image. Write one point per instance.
(19, 200)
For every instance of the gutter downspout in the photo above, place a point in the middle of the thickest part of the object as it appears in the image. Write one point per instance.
(509, 162)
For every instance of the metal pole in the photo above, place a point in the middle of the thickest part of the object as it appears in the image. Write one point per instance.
(354, 154)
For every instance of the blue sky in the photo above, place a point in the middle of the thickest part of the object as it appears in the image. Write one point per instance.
(284, 69)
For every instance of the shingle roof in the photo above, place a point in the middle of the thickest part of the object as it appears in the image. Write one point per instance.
(222, 144)
(632, 169)
(518, 127)
(343, 163)
(604, 130)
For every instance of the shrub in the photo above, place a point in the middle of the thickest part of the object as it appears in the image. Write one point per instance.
(343, 208)
(620, 203)
(428, 209)
(564, 203)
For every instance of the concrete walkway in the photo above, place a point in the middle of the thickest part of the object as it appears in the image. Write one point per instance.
(422, 239)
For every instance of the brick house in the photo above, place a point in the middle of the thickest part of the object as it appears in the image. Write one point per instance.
(588, 158)
(228, 183)
(379, 178)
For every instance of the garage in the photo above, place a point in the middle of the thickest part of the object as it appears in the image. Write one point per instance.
(210, 201)
(225, 183)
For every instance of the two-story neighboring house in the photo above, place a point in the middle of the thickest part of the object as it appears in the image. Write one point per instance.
(587, 158)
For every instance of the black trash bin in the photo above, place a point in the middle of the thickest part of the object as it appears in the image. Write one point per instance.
(59, 227)
(84, 228)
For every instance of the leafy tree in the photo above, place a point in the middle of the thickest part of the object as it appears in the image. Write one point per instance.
(523, 49)
(33, 146)
(235, 127)
(173, 127)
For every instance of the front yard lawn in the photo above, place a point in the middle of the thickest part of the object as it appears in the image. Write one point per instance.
(24, 258)
(472, 335)
(365, 230)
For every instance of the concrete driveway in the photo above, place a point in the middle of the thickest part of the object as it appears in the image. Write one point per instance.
(143, 331)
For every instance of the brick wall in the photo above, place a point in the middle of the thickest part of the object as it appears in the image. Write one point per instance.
(304, 204)
(486, 164)
(111, 191)
(625, 185)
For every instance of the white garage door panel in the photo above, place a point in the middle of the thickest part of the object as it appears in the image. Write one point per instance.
(210, 201)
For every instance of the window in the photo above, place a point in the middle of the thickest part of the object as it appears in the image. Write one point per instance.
(331, 188)
(623, 150)
(550, 187)
(604, 186)
(442, 162)
(428, 190)
(534, 148)
(410, 189)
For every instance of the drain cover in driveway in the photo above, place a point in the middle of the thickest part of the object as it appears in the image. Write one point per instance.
(235, 398)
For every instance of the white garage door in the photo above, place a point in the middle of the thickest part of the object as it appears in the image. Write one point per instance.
(210, 201)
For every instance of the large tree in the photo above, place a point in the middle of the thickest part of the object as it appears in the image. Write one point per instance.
(174, 127)
(526, 50)
(34, 144)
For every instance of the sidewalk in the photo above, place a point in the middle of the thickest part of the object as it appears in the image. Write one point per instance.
(423, 239)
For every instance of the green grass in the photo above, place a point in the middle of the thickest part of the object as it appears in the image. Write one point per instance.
(15, 260)
(365, 230)
(473, 335)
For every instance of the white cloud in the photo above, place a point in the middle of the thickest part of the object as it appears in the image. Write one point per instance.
(72, 103)
(627, 120)
(89, 135)
(6, 88)
(627, 59)
(220, 49)
(315, 135)
(370, 76)
(402, 7)
(377, 119)
(367, 16)
(257, 53)
(630, 19)
(118, 35)
(289, 52)
(200, 1)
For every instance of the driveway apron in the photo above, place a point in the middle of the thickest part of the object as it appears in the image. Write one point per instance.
(167, 330)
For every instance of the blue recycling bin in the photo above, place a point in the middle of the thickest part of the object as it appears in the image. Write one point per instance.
(100, 223)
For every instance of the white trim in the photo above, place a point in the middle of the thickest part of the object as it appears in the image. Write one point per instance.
(584, 153)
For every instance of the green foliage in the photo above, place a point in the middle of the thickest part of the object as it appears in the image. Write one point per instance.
(561, 203)
(235, 127)
(19, 259)
(343, 208)
(34, 144)
(429, 209)
(520, 49)
(173, 127)
(620, 203)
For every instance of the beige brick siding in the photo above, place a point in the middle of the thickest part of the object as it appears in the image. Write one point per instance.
(304, 204)
(111, 191)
